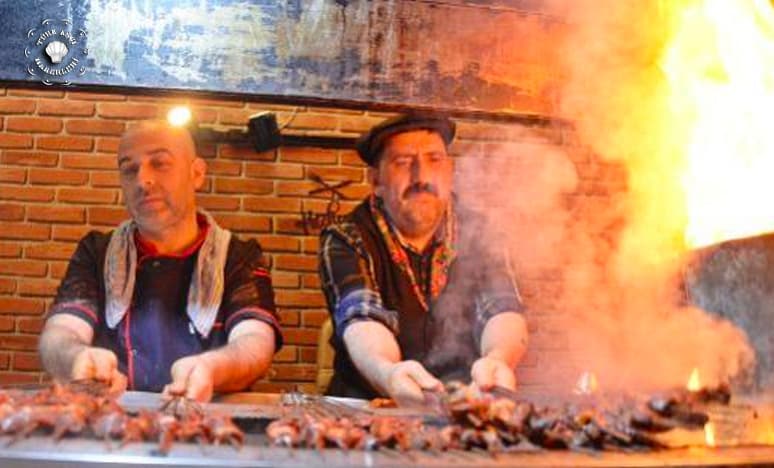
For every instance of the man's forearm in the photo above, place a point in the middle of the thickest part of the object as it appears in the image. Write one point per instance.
(58, 348)
(242, 361)
(505, 338)
(373, 349)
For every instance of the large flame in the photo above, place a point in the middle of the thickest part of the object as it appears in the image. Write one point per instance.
(720, 67)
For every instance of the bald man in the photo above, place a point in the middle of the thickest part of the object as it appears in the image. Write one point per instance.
(169, 301)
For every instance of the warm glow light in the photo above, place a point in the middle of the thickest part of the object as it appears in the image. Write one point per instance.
(587, 384)
(709, 434)
(720, 68)
(179, 116)
(694, 383)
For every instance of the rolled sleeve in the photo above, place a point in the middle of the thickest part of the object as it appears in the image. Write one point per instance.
(249, 294)
(349, 287)
(498, 292)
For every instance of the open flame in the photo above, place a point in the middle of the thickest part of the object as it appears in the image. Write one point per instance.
(587, 384)
(694, 382)
(720, 68)
(709, 434)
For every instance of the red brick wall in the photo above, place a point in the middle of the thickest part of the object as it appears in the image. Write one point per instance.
(58, 181)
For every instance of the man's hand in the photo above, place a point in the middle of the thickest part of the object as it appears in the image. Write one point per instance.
(488, 372)
(98, 364)
(192, 377)
(407, 379)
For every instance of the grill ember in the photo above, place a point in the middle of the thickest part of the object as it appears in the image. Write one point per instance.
(498, 421)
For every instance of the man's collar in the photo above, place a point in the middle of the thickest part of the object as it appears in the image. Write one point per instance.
(146, 249)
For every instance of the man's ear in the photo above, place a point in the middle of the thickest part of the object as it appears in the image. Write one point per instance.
(372, 174)
(198, 172)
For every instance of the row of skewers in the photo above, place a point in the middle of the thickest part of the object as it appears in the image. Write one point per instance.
(86, 409)
(498, 421)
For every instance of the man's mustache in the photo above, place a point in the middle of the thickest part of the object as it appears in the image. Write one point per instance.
(420, 187)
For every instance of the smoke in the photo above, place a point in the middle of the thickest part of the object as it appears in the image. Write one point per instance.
(601, 263)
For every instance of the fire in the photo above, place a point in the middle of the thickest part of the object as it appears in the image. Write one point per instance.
(694, 382)
(709, 434)
(720, 67)
(587, 384)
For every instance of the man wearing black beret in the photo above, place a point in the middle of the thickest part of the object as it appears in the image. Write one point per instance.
(415, 293)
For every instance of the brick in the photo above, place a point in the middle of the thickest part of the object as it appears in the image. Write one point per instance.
(272, 205)
(43, 176)
(286, 354)
(66, 143)
(108, 145)
(300, 336)
(128, 111)
(274, 171)
(314, 122)
(30, 268)
(95, 96)
(310, 281)
(94, 127)
(33, 124)
(271, 387)
(265, 106)
(218, 202)
(280, 279)
(44, 93)
(21, 306)
(300, 299)
(56, 214)
(311, 245)
(24, 231)
(37, 287)
(83, 195)
(10, 250)
(19, 378)
(30, 158)
(238, 117)
(109, 179)
(7, 286)
(89, 161)
(244, 223)
(288, 225)
(17, 106)
(314, 318)
(329, 174)
(66, 108)
(106, 216)
(69, 233)
(307, 354)
(7, 324)
(295, 372)
(30, 324)
(58, 269)
(296, 262)
(13, 175)
(307, 155)
(11, 212)
(220, 167)
(289, 318)
(301, 188)
(359, 124)
(14, 140)
(279, 243)
(26, 362)
(49, 250)
(243, 186)
(39, 194)
(350, 158)
(245, 152)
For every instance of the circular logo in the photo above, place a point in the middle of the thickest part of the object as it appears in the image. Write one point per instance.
(56, 52)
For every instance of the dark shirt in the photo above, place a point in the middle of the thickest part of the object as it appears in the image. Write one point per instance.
(156, 330)
(362, 283)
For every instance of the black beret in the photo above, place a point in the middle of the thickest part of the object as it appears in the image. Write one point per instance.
(370, 144)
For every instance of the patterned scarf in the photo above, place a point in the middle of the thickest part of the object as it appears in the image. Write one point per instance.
(443, 255)
(207, 281)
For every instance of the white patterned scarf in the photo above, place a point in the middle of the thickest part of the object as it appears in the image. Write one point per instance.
(207, 281)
